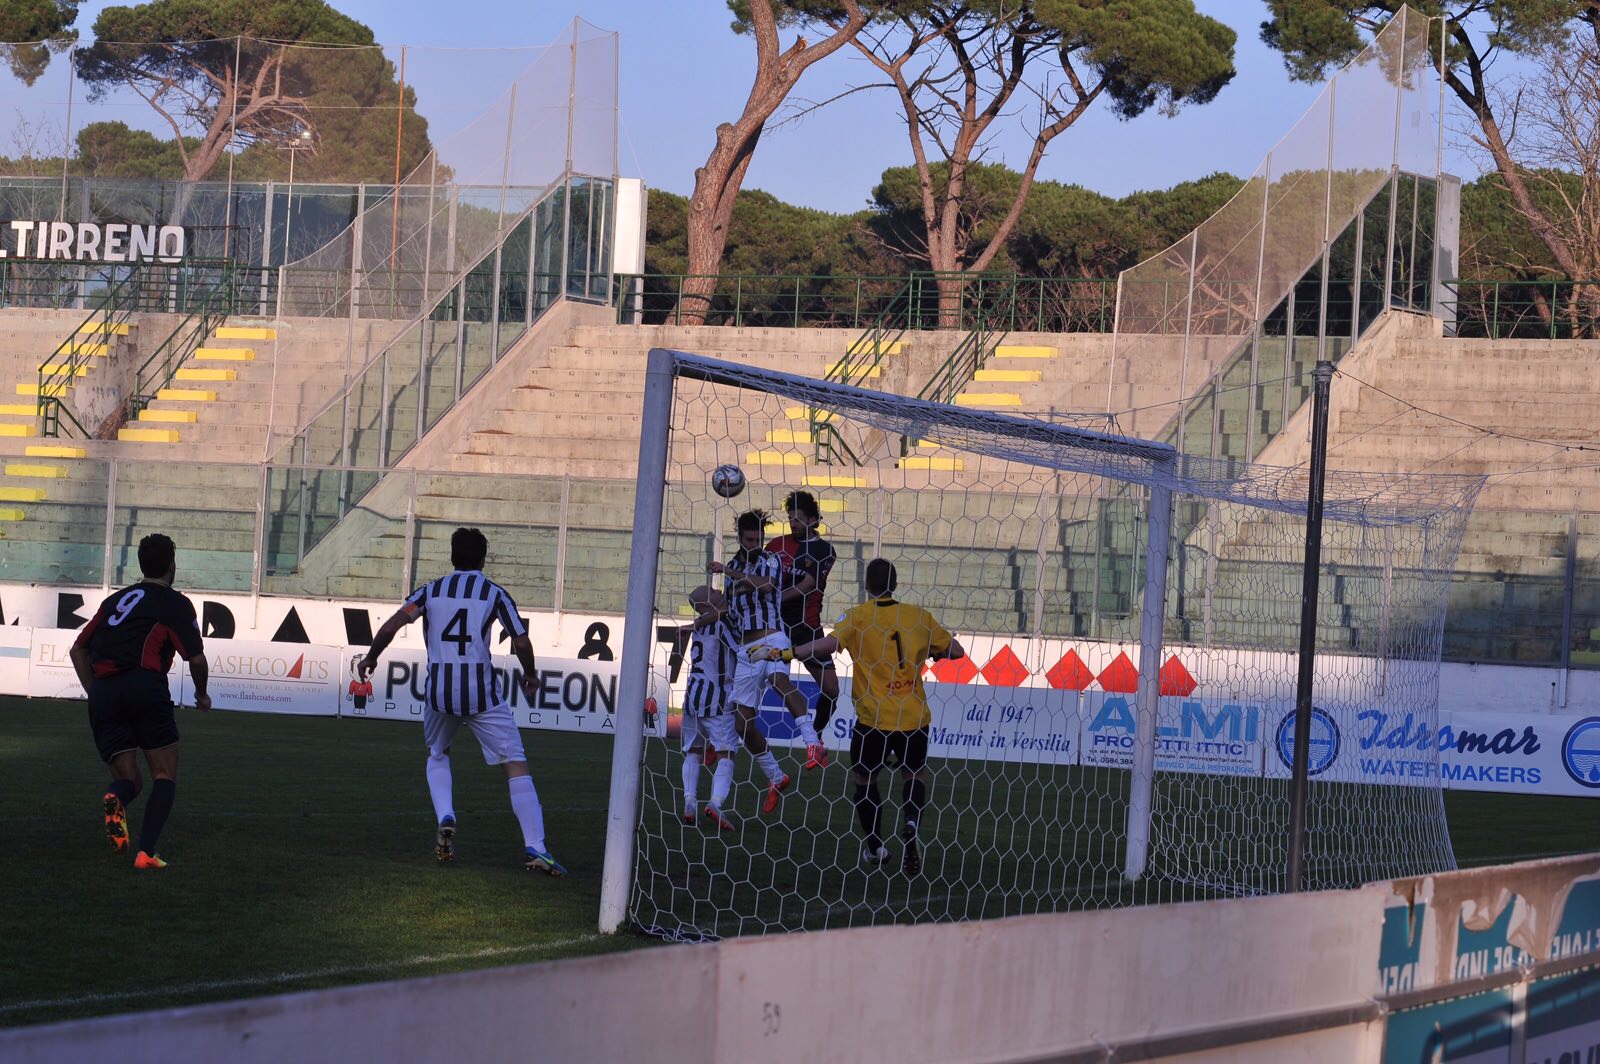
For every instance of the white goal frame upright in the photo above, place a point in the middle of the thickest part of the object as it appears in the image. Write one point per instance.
(663, 367)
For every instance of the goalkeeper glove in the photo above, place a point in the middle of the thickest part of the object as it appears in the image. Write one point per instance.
(763, 653)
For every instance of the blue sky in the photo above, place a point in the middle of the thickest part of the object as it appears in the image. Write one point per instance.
(684, 70)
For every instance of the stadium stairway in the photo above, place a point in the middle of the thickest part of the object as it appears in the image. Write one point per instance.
(1407, 399)
(220, 410)
(250, 379)
(32, 468)
(30, 338)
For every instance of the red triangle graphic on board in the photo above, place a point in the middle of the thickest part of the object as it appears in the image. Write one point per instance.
(1120, 677)
(957, 670)
(1005, 669)
(1175, 679)
(1070, 673)
(294, 670)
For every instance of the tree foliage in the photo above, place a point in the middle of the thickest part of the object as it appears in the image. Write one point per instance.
(34, 30)
(111, 149)
(1064, 231)
(964, 71)
(243, 74)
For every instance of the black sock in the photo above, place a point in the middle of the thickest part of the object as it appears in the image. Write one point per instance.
(825, 704)
(868, 807)
(162, 794)
(913, 795)
(125, 790)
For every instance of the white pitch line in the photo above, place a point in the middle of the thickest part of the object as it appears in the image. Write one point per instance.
(185, 989)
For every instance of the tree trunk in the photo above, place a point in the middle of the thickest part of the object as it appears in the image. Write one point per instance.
(716, 189)
(717, 183)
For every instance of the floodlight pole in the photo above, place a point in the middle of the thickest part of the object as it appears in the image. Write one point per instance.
(638, 635)
(1322, 377)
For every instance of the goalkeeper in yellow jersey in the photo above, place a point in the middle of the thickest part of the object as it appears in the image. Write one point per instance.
(888, 643)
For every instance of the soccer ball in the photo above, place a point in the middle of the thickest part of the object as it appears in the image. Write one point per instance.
(727, 480)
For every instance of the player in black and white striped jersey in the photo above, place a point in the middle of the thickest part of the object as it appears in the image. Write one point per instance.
(754, 590)
(458, 612)
(710, 734)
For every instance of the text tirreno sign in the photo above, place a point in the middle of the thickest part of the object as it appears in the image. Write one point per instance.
(93, 241)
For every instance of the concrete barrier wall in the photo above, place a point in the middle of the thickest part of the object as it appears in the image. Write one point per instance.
(1496, 965)
(1062, 985)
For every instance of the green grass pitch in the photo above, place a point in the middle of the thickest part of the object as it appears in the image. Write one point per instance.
(301, 854)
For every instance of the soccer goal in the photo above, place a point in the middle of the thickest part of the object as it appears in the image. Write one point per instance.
(1120, 728)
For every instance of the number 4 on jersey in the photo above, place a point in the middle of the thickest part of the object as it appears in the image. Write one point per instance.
(455, 631)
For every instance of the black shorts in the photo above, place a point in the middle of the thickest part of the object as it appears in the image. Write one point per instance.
(131, 711)
(801, 634)
(870, 748)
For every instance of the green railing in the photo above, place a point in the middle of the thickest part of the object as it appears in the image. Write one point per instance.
(161, 367)
(147, 288)
(74, 355)
(793, 301)
(1525, 310)
(855, 367)
(988, 302)
(1493, 309)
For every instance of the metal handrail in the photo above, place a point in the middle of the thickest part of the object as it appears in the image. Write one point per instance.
(445, 294)
(181, 344)
(860, 358)
(1039, 304)
(975, 349)
(983, 336)
(56, 377)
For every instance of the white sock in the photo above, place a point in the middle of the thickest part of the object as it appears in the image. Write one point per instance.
(722, 781)
(525, 803)
(691, 779)
(439, 787)
(808, 730)
(769, 765)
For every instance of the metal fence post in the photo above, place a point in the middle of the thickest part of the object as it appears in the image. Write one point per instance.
(559, 591)
(409, 555)
(258, 563)
(111, 522)
(1300, 787)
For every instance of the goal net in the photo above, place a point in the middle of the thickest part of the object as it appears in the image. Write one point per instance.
(1120, 728)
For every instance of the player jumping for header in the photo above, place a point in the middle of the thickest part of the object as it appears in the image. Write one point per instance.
(809, 559)
(755, 583)
(122, 657)
(888, 642)
(464, 690)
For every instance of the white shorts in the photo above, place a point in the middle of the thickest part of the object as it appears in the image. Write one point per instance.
(719, 730)
(495, 730)
(750, 678)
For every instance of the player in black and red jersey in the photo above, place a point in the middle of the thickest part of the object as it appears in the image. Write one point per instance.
(809, 559)
(122, 657)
